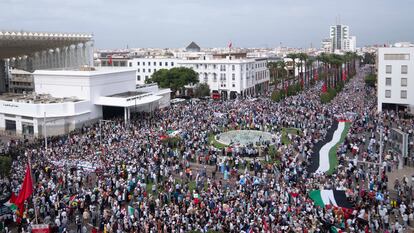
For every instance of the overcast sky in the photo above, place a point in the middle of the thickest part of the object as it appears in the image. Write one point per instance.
(212, 23)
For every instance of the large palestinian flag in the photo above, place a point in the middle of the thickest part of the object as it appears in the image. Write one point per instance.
(336, 198)
(324, 158)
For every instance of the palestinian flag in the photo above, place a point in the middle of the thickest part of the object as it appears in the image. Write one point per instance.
(11, 203)
(324, 158)
(335, 229)
(336, 198)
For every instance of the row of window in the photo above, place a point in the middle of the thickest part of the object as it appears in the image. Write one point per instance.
(404, 69)
(403, 94)
(139, 77)
(388, 82)
(224, 85)
(149, 70)
(154, 63)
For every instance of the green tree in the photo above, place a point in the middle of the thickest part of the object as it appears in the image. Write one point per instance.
(176, 78)
(201, 90)
(5, 165)
(293, 56)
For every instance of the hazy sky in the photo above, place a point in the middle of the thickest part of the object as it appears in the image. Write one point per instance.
(212, 23)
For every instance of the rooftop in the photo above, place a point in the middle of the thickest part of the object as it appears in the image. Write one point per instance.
(35, 98)
(83, 71)
(127, 94)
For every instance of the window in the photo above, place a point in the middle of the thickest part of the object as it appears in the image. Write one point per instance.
(137, 63)
(233, 67)
(143, 70)
(155, 70)
(403, 94)
(404, 69)
(155, 63)
(146, 77)
(149, 70)
(172, 63)
(130, 64)
(138, 70)
(388, 69)
(222, 67)
(205, 77)
(149, 63)
(160, 63)
(143, 63)
(387, 81)
(387, 93)
(166, 63)
(215, 78)
(403, 56)
(205, 66)
(233, 77)
(234, 85)
(403, 82)
(138, 77)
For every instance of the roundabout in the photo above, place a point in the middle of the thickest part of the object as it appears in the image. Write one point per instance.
(244, 138)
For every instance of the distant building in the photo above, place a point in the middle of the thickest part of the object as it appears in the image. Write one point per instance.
(193, 47)
(231, 75)
(339, 40)
(396, 78)
(145, 67)
(20, 81)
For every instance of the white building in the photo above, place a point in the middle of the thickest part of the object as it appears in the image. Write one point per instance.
(396, 78)
(67, 99)
(339, 40)
(231, 75)
(145, 67)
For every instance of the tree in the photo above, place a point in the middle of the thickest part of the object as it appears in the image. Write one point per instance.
(201, 90)
(368, 58)
(303, 57)
(293, 56)
(176, 78)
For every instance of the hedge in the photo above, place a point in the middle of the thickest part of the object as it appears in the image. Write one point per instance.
(5, 165)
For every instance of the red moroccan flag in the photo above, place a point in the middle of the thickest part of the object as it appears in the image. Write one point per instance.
(110, 60)
(324, 88)
(343, 75)
(26, 190)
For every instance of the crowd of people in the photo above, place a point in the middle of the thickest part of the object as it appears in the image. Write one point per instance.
(135, 177)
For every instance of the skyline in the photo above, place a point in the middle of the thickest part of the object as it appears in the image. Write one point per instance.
(214, 23)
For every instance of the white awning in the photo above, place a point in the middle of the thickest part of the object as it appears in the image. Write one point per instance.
(127, 102)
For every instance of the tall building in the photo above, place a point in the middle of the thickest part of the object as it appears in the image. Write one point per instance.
(339, 40)
(396, 78)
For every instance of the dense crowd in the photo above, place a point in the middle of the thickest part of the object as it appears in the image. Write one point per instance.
(136, 178)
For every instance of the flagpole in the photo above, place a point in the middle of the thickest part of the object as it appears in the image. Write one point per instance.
(31, 175)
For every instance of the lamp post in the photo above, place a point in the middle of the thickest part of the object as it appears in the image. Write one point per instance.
(44, 126)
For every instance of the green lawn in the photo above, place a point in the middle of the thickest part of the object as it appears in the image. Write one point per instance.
(286, 131)
(215, 143)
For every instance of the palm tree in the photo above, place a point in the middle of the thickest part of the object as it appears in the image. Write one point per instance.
(272, 66)
(293, 56)
(281, 70)
(303, 57)
(309, 64)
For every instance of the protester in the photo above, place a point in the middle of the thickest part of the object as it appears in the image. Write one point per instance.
(138, 178)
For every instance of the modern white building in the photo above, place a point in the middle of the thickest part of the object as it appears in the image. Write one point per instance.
(67, 99)
(231, 75)
(396, 78)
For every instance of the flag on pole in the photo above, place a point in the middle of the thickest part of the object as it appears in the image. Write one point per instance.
(110, 60)
(343, 75)
(324, 88)
(230, 45)
(26, 190)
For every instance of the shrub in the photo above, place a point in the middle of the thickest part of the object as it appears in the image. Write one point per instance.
(278, 95)
(371, 80)
(5, 165)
